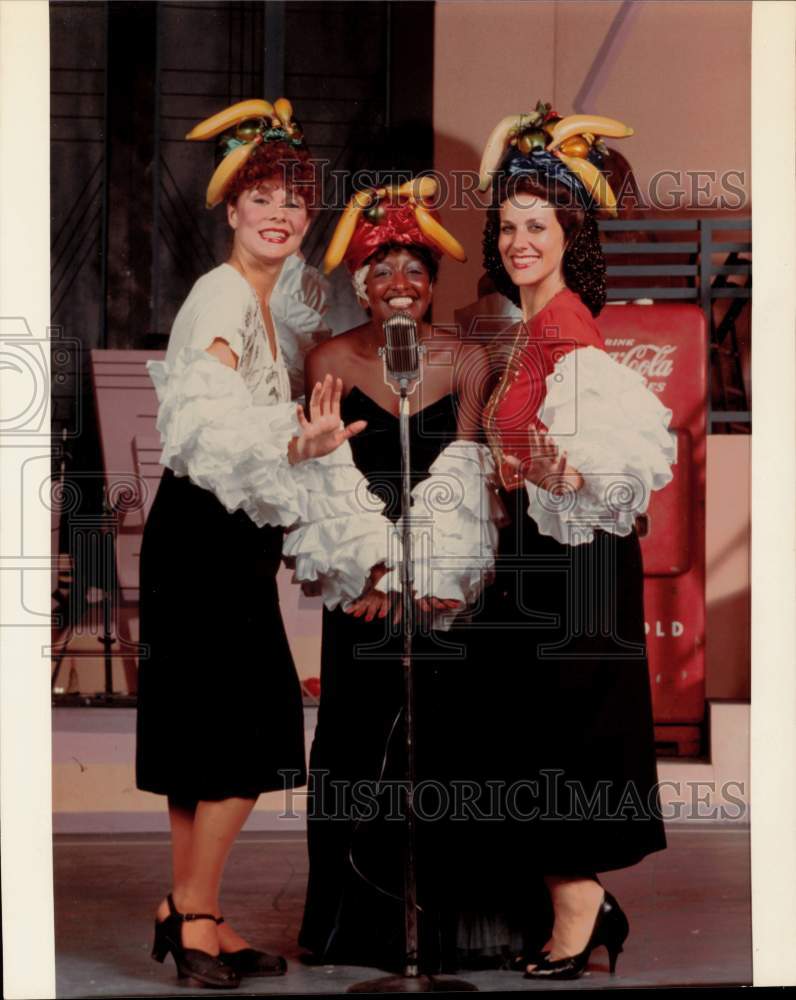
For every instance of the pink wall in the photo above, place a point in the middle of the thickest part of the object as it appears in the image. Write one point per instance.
(727, 580)
(679, 73)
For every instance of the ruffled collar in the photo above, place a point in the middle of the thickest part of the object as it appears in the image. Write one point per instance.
(297, 305)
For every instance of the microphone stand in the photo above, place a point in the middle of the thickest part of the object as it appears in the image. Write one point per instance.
(411, 981)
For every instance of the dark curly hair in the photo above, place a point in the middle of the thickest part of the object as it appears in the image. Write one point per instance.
(583, 264)
(291, 165)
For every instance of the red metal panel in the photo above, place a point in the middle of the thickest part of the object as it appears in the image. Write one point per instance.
(667, 344)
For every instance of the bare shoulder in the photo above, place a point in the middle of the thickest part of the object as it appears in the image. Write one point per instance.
(448, 341)
(337, 347)
(336, 356)
(471, 351)
(464, 354)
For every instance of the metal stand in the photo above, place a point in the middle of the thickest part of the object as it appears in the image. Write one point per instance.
(411, 981)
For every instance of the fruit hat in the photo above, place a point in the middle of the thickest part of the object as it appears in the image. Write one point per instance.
(567, 150)
(389, 215)
(240, 129)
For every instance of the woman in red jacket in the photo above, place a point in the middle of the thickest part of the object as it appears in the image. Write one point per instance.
(580, 443)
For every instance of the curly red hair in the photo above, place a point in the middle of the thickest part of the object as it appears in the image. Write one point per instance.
(291, 165)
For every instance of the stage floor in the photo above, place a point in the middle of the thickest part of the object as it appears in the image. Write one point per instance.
(689, 908)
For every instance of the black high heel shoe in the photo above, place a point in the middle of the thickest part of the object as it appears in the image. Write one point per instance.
(518, 963)
(251, 962)
(611, 928)
(201, 967)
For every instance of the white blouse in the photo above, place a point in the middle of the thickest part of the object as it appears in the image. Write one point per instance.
(222, 304)
(228, 429)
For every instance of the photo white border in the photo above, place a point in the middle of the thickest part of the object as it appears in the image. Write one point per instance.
(773, 700)
(25, 717)
(25, 737)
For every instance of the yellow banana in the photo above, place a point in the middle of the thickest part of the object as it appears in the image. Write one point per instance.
(225, 119)
(344, 229)
(225, 171)
(284, 112)
(594, 181)
(438, 235)
(596, 124)
(496, 146)
(418, 189)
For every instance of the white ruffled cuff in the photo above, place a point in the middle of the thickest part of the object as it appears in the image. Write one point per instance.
(213, 433)
(456, 514)
(344, 532)
(615, 433)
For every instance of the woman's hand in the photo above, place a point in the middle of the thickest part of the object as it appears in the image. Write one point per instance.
(373, 603)
(323, 432)
(546, 468)
(429, 604)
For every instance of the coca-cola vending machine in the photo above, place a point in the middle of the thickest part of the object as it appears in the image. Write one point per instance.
(666, 344)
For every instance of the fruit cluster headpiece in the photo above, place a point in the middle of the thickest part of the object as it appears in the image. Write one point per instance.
(239, 129)
(567, 150)
(389, 215)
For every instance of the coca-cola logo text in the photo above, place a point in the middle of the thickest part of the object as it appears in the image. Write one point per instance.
(650, 360)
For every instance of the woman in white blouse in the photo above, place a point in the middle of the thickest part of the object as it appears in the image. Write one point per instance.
(219, 709)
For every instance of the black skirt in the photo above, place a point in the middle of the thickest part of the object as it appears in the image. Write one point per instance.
(553, 715)
(356, 815)
(219, 701)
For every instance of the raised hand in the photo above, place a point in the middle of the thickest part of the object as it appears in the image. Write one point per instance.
(547, 467)
(323, 432)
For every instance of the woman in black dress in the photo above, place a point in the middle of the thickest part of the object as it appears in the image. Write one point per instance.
(580, 443)
(354, 906)
(219, 704)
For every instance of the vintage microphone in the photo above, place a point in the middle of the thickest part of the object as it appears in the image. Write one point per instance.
(401, 353)
(402, 372)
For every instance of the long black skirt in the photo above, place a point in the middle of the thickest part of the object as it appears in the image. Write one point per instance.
(219, 701)
(356, 815)
(555, 696)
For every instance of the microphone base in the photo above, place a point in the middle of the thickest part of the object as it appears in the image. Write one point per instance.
(414, 984)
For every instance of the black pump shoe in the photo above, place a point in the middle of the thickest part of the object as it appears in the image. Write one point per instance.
(611, 928)
(251, 962)
(201, 967)
(518, 963)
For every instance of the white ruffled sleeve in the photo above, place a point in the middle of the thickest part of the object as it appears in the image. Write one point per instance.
(344, 532)
(456, 514)
(213, 433)
(615, 432)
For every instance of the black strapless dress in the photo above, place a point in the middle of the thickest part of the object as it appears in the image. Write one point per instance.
(354, 906)
(219, 701)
